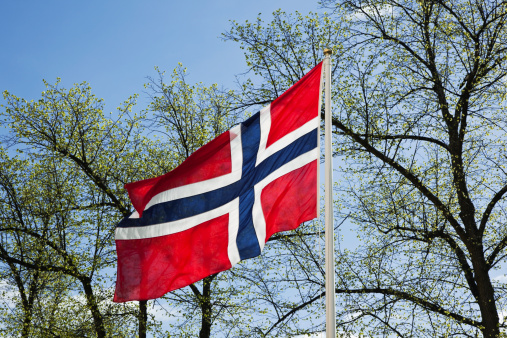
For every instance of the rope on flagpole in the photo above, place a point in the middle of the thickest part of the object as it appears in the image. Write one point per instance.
(328, 202)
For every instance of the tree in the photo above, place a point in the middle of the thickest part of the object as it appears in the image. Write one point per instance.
(37, 291)
(418, 120)
(61, 197)
(60, 201)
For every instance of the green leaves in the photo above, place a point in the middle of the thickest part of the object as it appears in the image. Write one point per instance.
(62, 196)
(189, 115)
(280, 52)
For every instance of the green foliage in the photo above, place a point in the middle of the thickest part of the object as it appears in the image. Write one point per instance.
(189, 115)
(280, 52)
(60, 199)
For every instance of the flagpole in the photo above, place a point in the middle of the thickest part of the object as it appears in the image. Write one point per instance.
(328, 202)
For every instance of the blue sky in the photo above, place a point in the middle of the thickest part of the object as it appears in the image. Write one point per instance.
(114, 45)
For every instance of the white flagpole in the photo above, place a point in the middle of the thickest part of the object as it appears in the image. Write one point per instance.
(328, 202)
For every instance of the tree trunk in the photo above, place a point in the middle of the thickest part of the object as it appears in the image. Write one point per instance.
(94, 308)
(206, 308)
(143, 318)
(486, 299)
(26, 325)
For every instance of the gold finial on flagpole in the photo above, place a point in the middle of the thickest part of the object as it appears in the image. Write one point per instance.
(328, 51)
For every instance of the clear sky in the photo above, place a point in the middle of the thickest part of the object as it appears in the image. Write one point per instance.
(114, 45)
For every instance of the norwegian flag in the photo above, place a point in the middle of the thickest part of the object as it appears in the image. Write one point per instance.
(223, 202)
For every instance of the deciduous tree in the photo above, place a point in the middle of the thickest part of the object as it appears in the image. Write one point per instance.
(60, 199)
(419, 124)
